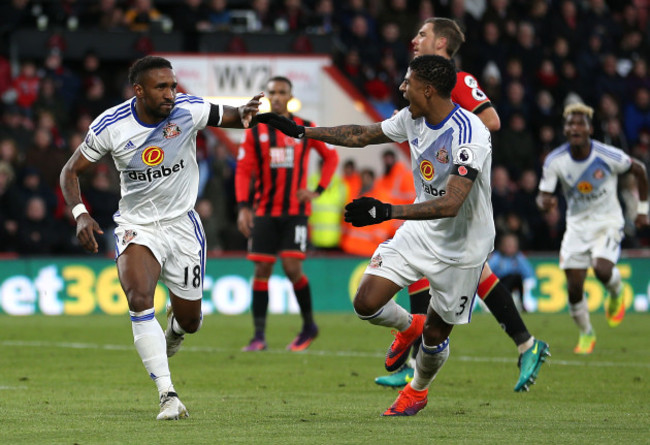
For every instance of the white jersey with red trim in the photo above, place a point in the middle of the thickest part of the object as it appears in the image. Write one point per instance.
(460, 141)
(157, 163)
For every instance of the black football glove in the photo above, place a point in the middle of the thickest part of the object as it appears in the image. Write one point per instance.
(286, 126)
(366, 211)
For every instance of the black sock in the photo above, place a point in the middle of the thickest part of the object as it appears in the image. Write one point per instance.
(260, 307)
(419, 305)
(502, 306)
(303, 294)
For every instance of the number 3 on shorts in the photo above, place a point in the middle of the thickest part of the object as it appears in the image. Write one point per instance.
(196, 276)
(463, 304)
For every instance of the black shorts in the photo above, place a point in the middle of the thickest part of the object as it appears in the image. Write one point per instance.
(273, 235)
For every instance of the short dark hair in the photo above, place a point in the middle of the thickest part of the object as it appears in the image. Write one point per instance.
(145, 64)
(281, 79)
(449, 29)
(436, 71)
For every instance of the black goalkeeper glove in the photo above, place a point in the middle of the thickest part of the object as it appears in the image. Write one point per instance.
(286, 126)
(366, 211)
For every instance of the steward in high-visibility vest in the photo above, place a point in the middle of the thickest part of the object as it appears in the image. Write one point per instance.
(327, 213)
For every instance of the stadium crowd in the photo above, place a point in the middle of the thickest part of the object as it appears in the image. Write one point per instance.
(530, 57)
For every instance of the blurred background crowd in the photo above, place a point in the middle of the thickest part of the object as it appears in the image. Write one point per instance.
(530, 57)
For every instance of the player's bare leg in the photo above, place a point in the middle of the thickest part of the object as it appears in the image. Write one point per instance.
(139, 271)
(609, 275)
(183, 317)
(579, 310)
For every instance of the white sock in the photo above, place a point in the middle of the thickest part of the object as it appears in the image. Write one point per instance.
(392, 315)
(614, 285)
(149, 341)
(427, 364)
(580, 314)
(525, 346)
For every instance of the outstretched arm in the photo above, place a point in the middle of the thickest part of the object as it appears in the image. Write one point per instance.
(344, 135)
(446, 206)
(366, 211)
(69, 180)
(241, 117)
(349, 135)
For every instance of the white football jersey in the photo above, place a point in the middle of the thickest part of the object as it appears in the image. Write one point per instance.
(157, 163)
(589, 185)
(460, 140)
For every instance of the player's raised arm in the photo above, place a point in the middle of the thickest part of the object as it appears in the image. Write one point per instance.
(344, 135)
(69, 180)
(241, 117)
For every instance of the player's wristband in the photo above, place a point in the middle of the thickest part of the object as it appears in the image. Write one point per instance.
(80, 208)
(320, 189)
(642, 208)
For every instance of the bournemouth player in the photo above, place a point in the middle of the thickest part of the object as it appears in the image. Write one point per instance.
(152, 140)
(275, 218)
(588, 173)
(443, 37)
(449, 229)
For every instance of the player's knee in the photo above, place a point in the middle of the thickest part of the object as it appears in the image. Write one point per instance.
(139, 301)
(362, 305)
(190, 325)
(603, 273)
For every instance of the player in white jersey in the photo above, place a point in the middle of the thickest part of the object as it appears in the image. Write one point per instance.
(588, 172)
(448, 232)
(152, 140)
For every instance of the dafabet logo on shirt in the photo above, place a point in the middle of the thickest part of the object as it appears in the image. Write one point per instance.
(153, 155)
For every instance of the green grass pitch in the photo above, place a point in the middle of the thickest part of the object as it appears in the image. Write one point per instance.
(78, 380)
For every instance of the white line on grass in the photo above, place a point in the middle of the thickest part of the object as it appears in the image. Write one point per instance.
(204, 349)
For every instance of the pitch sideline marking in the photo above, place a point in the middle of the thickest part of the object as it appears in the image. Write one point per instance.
(464, 358)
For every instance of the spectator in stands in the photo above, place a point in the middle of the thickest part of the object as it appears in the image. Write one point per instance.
(9, 153)
(8, 224)
(568, 24)
(66, 81)
(191, 17)
(292, 17)
(141, 15)
(264, 18)
(26, 87)
(104, 15)
(514, 270)
(502, 192)
(524, 205)
(609, 80)
(45, 157)
(38, 233)
(323, 21)
(490, 48)
(638, 77)
(211, 225)
(526, 48)
(637, 115)
(103, 202)
(392, 42)
(397, 12)
(17, 127)
(514, 145)
(51, 101)
(94, 99)
(515, 102)
(219, 15)
(352, 179)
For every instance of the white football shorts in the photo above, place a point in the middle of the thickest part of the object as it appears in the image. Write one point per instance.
(178, 245)
(580, 248)
(452, 289)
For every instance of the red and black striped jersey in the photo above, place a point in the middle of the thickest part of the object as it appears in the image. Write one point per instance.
(279, 165)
